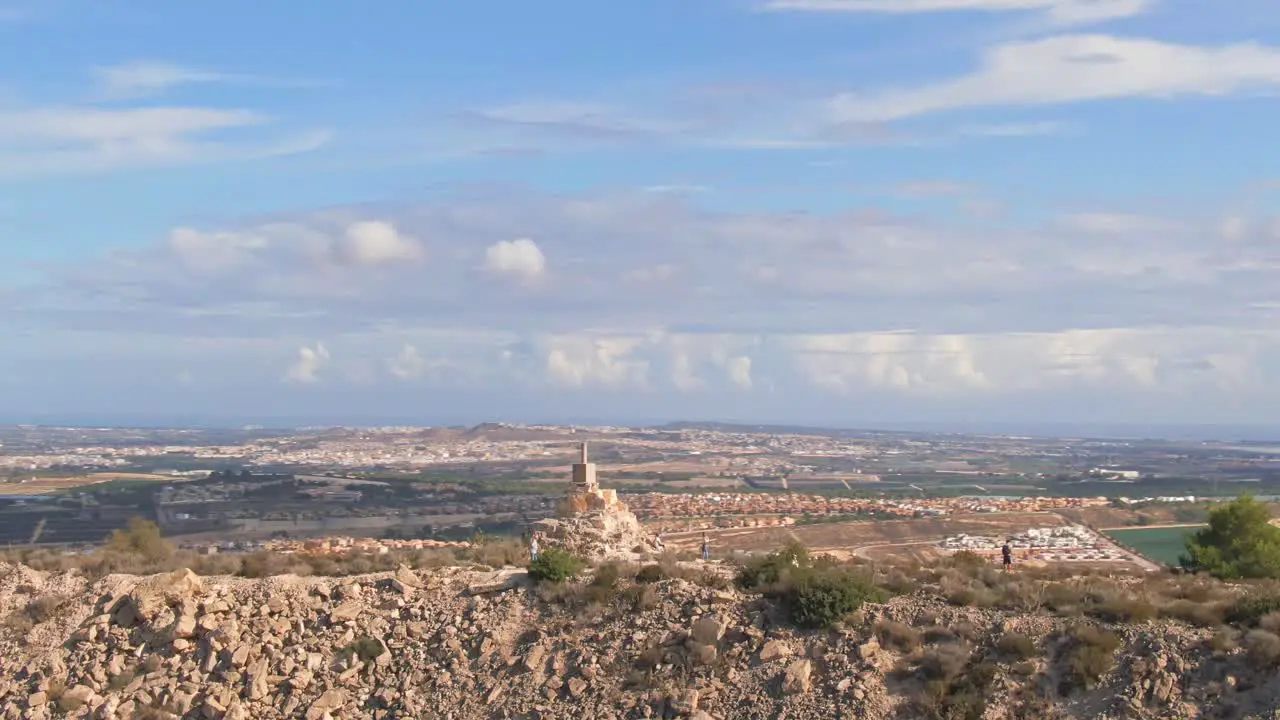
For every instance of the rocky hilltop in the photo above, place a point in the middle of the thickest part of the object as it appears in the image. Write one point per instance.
(676, 641)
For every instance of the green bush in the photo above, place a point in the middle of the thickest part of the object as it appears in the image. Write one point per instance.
(820, 598)
(774, 567)
(556, 565)
(816, 593)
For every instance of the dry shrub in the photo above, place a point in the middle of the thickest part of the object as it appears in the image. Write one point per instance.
(1270, 622)
(938, 634)
(1017, 646)
(1226, 640)
(1120, 608)
(1195, 613)
(1089, 655)
(1063, 599)
(1022, 595)
(943, 662)
(926, 619)
(966, 630)
(500, 553)
(897, 635)
(898, 582)
(1263, 647)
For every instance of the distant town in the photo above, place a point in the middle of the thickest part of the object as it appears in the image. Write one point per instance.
(243, 488)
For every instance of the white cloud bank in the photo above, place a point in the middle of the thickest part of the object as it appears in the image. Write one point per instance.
(77, 138)
(1060, 11)
(1073, 69)
(660, 298)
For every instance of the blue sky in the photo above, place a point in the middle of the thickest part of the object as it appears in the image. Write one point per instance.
(822, 211)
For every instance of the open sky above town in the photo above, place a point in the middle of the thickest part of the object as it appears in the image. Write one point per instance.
(820, 211)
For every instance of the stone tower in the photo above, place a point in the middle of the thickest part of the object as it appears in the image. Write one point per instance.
(584, 474)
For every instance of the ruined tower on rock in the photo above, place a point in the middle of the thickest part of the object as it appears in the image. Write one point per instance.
(584, 473)
(592, 521)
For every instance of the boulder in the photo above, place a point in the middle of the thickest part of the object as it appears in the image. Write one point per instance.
(797, 678)
(344, 612)
(774, 650)
(328, 702)
(708, 630)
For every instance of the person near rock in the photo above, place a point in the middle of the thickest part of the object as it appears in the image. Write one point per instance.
(1006, 553)
(706, 547)
(533, 546)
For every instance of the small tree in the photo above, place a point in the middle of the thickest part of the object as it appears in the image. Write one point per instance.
(556, 565)
(1240, 542)
(142, 537)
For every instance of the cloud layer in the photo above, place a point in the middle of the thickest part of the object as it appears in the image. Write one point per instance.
(648, 294)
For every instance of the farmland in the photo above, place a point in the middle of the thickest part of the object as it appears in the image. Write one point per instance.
(1162, 544)
(880, 535)
(50, 485)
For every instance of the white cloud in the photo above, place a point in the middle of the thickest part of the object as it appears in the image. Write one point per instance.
(1117, 223)
(602, 362)
(408, 364)
(1066, 12)
(143, 78)
(1234, 228)
(75, 139)
(931, 188)
(521, 258)
(213, 252)
(640, 261)
(371, 243)
(1076, 68)
(577, 118)
(306, 370)
(136, 125)
(739, 370)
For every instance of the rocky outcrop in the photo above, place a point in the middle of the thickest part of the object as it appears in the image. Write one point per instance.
(600, 534)
(461, 643)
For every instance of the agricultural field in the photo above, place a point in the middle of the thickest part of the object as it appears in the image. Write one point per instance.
(868, 538)
(1162, 544)
(51, 485)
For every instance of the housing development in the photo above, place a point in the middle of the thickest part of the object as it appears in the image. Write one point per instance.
(863, 492)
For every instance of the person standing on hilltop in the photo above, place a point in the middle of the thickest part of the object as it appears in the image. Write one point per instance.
(706, 547)
(1006, 553)
(533, 547)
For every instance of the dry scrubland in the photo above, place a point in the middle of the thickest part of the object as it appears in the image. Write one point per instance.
(857, 534)
(660, 639)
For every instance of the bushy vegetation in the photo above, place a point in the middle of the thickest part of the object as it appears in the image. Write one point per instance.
(140, 549)
(1017, 646)
(1089, 653)
(141, 538)
(953, 682)
(556, 565)
(816, 593)
(1239, 542)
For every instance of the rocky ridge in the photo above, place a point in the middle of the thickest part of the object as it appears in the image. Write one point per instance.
(467, 643)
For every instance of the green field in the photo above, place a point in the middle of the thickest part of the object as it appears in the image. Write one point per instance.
(1160, 544)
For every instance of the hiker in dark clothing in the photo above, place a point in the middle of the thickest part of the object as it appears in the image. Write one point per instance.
(1007, 553)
